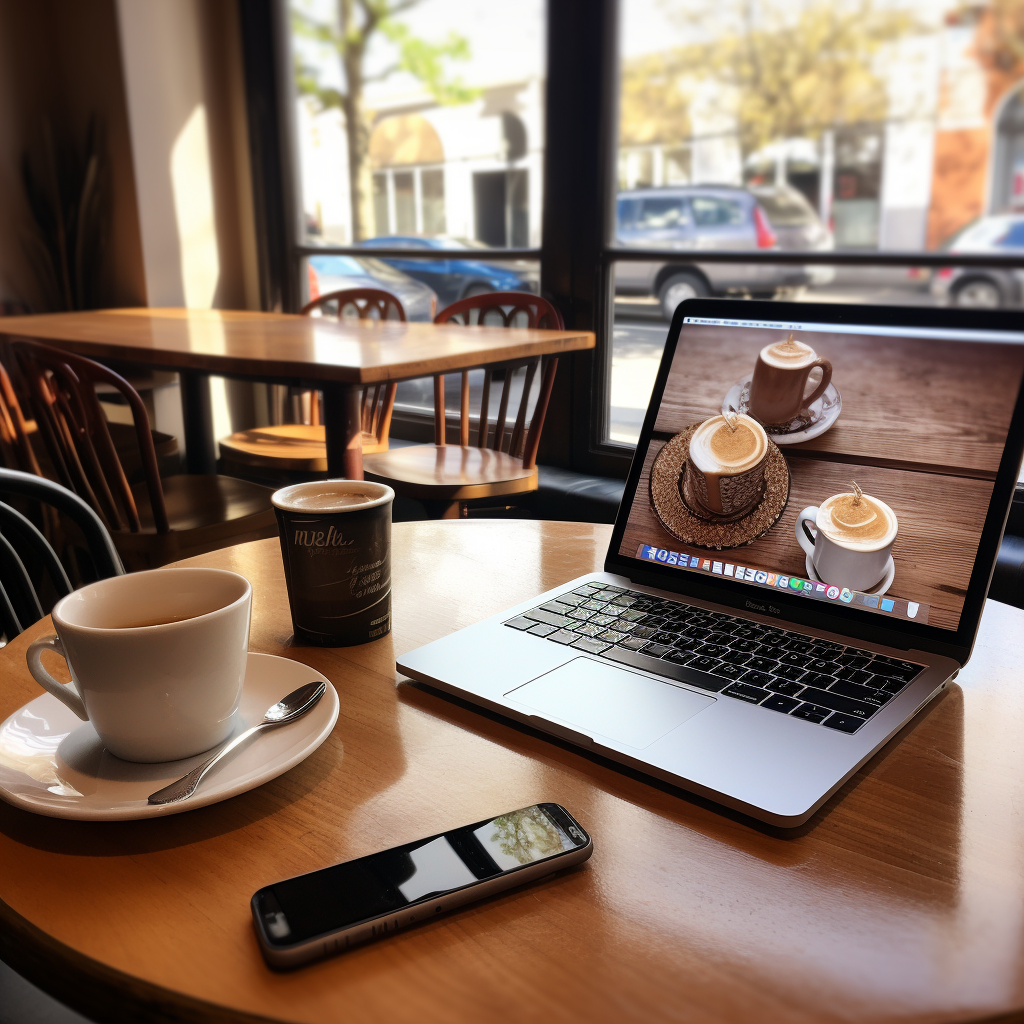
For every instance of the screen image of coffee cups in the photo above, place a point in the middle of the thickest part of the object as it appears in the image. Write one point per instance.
(922, 429)
(849, 539)
(779, 385)
(725, 464)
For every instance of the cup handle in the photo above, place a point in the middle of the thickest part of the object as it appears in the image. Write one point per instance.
(804, 537)
(826, 379)
(66, 693)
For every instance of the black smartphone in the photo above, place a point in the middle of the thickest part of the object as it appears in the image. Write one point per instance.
(327, 911)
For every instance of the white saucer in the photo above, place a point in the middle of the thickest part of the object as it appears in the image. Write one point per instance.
(52, 763)
(823, 413)
(876, 591)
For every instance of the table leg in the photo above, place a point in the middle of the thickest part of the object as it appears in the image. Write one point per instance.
(343, 427)
(197, 412)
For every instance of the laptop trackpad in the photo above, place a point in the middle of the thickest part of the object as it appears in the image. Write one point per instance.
(597, 698)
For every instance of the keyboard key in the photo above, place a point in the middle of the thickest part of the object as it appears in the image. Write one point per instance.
(587, 629)
(854, 690)
(712, 650)
(549, 617)
(624, 600)
(736, 657)
(744, 645)
(799, 645)
(778, 702)
(611, 636)
(570, 599)
(718, 637)
(728, 671)
(632, 615)
(580, 614)
(746, 633)
(792, 672)
(564, 636)
(697, 632)
(656, 650)
(593, 606)
(541, 630)
(843, 722)
(818, 679)
(633, 643)
(614, 590)
(854, 675)
(823, 665)
(892, 686)
(811, 712)
(833, 649)
(702, 663)
(795, 658)
(603, 597)
(786, 686)
(757, 678)
(762, 664)
(880, 697)
(680, 673)
(897, 669)
(590, 646)
(746, 692)
(520, 623)
(602, 619)
(557, 607)
(665, 637)
(854, 660)
(837, 702)
(645, 632)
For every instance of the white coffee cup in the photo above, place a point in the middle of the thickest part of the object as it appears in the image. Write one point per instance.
(157, 659)
(854, 556)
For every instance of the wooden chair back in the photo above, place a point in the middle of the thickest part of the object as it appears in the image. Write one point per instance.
(369, 304)
(15, 448)
(502, 309)
(74, 429)
(365, 301)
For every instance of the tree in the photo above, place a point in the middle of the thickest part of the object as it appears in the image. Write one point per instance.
(783, 69)
(358, 21)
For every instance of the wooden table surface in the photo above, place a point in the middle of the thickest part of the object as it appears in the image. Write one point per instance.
(902, 900)
(338, 356)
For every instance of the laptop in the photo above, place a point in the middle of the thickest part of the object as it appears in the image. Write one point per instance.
(750, 639)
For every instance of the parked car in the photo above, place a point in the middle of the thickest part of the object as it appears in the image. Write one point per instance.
(330, 273)
(709, 217)
(983, 287)
(457, 277)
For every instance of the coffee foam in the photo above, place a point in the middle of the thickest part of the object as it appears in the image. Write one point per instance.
(331, 496)
(716, 448)
(866, 525)
(788, 355)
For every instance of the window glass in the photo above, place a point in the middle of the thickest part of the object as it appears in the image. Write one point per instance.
(445, 136)
(905, 132)
(661, 212)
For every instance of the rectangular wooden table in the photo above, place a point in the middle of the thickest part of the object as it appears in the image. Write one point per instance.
(337, 357)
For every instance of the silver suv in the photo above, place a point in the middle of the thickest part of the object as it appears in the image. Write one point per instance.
(695, 217)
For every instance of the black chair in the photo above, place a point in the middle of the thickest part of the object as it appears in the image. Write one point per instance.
(32, 577)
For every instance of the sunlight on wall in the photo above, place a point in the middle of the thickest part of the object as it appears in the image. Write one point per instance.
(192, 185)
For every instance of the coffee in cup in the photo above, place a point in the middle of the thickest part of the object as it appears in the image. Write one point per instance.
(336, 547)
(724, 471)
(157, 659)
(851, 545)
(780, 380)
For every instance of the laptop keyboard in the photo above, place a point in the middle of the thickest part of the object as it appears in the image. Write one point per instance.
(791, 674)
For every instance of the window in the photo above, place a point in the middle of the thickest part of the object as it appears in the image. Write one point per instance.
(906, 134)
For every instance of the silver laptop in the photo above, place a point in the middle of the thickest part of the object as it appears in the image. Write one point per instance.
(789, 584)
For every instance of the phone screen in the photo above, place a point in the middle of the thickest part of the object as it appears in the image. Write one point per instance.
(323, 901)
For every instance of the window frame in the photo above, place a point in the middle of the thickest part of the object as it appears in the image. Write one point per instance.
(577, 254)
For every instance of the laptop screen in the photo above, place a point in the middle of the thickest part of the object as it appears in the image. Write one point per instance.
(851, 465)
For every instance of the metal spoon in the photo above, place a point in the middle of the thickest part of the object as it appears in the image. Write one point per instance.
(286, 710)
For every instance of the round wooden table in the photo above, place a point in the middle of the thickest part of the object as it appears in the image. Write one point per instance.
(903, 899)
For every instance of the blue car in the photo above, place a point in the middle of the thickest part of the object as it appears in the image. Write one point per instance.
(457, 277)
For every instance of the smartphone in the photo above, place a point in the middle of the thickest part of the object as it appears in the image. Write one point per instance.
(327, 911)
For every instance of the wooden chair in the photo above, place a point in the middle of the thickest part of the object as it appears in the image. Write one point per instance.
(447, 476)
(156, 521)
(299, 450)
(16, 450)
